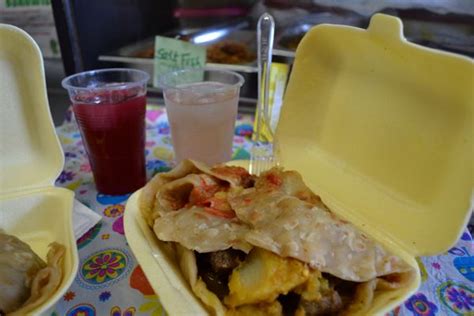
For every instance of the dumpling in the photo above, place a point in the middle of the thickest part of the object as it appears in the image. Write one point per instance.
(18, 265)
(26, 281)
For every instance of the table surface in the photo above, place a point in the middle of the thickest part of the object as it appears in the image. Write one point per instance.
(110, 281)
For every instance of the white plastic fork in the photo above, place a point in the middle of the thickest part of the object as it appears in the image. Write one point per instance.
(263, 154)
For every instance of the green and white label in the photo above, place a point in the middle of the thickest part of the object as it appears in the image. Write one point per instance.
(172, 54)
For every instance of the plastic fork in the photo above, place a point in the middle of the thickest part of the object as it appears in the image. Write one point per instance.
(263, 153)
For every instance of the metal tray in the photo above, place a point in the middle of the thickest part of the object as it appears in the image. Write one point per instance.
(454, 37)
(128, 54)
(288, 36)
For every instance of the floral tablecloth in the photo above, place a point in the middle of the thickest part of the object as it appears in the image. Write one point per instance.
(110, 282)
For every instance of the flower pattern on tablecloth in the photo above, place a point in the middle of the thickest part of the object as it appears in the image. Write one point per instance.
(465, 266)
(128, 311)
(152, 306)
(104, 296)
(104, 266)
(139, 282)
(86, 167)
(464, 261)
(244, 130)
(69, 296)
(117, 226)
(163, 154)
(447, 279)
(105, 199)
(418, 304)
(82, 310)
(66, 176)
(114, 210)
(157, 165)
(457, 297)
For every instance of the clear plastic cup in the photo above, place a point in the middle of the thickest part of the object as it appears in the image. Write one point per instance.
(202, 109)
(109, 106)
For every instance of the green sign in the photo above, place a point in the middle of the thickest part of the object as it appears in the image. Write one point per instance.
(172, 54)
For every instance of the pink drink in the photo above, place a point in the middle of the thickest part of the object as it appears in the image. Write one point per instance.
(202, 118)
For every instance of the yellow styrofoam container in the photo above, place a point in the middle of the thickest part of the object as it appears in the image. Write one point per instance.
(31, 157)
(382, 130)
(159, 266)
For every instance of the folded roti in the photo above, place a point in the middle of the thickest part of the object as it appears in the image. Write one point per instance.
(276, 212)
(279, 213)
(176, 204)
(293, 228)
(196, 229)
(147, 200)
(290, 221)
(160, 195)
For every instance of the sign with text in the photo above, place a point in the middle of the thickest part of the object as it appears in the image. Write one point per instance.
(172, 54)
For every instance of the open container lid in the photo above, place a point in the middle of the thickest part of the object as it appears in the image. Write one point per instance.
(382, 129)
(30, 153)
(31, 208)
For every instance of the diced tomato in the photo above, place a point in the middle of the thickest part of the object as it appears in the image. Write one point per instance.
(197, 195)
(209, 188)
(274, 179)
(218, 203)
(202, 192)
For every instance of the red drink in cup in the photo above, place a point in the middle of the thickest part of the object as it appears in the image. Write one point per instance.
(109, 106)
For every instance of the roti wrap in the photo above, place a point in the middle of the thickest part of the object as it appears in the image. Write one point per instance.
(206, 210)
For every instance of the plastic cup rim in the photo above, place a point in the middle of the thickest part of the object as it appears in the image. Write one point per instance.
(166, 75)
(66, 85)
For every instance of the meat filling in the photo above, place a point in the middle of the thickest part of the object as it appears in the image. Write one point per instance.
(226, 260)
(215, 268)
(330, 304)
